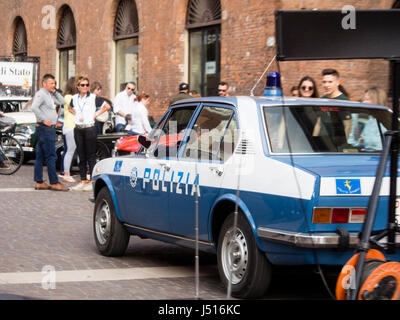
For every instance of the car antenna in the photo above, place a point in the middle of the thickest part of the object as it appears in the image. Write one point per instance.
(319, 269)
(262, 76)
(196, 228)
(234, 230)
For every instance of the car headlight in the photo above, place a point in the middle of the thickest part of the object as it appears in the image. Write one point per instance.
(25, 129)
(22, 139)
(59, 138)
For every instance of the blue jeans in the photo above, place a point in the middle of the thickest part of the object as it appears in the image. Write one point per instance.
(99, 126)
(119, 127)
(45, 151)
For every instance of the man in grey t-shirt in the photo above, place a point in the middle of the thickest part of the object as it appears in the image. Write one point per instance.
(44, 107)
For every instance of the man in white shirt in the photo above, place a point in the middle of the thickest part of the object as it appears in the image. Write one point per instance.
(122, 103)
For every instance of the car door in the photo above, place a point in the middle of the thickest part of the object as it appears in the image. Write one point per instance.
(201, 161)
(147, 202)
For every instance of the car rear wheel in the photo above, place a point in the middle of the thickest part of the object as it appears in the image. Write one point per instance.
(110, 235)
(240, 260)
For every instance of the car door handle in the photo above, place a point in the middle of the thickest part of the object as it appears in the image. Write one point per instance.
(165, 166)
(217, 170)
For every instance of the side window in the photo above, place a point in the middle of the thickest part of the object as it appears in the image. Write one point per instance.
(213, 136)
(166, 140)
(229, 140)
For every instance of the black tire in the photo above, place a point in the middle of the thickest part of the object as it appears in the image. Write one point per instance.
(110, 235)
(12, 153)
(102, 151)
(251, 274)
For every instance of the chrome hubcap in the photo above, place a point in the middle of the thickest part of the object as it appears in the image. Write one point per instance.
(234, 255)
(103, 223)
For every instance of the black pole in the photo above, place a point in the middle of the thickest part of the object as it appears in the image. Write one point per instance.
(391, 226)
(390, 146)
(364, 244)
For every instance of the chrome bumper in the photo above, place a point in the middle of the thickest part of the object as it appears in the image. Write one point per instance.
(305, 240)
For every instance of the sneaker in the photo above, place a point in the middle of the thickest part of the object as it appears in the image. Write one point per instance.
(68, 179)
(4, 166)
(87, 187)
(78, 187)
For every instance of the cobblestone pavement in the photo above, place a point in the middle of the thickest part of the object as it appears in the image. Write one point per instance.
(47, 229)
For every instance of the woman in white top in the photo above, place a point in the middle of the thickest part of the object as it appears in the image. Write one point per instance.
(68, 131)
(140, 120)
(84, 105)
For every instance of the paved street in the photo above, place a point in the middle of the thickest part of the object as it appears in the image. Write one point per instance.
(45, 231)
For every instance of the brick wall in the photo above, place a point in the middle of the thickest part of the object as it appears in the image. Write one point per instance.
(246, 27)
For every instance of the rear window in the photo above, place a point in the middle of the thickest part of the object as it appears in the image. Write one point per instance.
(310, 129)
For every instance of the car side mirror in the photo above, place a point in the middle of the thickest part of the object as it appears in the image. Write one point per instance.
(144, 142)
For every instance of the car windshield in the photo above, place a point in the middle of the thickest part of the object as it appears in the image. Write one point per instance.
(10, 106)
(310, 129)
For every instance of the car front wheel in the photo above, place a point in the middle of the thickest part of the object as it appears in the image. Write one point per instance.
(110, 235)
(240, 260)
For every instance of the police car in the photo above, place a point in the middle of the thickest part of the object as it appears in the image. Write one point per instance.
(272, 180)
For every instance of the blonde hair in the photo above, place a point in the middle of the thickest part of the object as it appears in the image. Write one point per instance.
(377, 95)
(79, 78)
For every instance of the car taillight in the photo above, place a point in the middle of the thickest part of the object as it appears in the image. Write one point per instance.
(339, 215)
(358, 215)
(322, 215)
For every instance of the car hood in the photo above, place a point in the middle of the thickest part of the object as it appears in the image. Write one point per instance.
(22, 117)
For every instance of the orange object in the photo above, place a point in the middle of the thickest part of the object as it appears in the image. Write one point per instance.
(132, 144)
(322, 215)
(129, 144)
(352, 263)
(388, 269)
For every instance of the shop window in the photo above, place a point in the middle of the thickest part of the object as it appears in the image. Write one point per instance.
(126, 32)
(203, 21)
(66, 44)
(20, 43)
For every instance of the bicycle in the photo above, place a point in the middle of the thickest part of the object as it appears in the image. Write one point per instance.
(11, 152)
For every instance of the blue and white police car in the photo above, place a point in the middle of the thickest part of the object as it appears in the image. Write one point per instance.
(295, 173)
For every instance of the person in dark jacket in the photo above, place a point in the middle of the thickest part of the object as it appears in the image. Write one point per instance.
(183, 93)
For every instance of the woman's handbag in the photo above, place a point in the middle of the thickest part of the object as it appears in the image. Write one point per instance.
(103, 117)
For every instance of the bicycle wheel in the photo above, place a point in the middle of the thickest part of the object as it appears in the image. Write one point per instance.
(12, 153)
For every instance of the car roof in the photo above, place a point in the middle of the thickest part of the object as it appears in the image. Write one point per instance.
(281, 100)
